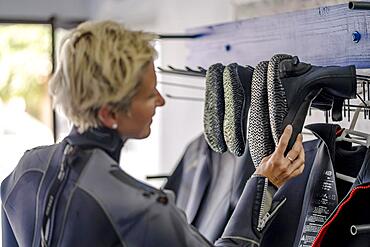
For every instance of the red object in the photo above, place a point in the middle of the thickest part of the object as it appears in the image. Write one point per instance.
(339, 131)
(320, 236)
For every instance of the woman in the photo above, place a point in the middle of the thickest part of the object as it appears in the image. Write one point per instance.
(74, 194)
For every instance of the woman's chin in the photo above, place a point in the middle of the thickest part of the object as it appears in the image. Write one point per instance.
(144, 134)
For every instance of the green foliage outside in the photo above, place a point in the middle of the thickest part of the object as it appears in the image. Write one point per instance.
(25, 64)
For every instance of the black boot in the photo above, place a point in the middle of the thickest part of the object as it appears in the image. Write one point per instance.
(325, 102)
(293, 85)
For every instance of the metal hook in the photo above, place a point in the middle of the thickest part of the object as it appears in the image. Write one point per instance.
(361, 99)
(368, 95)
(173, 68)
(349, 111)
(176, 71)
(184, 98)
(181, 36)
(192, 70)
(201, 69)
(364, 96)
(181, 85)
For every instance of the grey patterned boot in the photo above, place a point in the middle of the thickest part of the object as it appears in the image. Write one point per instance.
(237, 90)
(260, 139)
(214, 108)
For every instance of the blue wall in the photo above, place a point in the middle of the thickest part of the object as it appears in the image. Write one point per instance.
(321, 36)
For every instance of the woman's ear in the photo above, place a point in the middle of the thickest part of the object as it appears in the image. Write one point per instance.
(107, 117)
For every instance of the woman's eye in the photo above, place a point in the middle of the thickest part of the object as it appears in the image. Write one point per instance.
(153, 94)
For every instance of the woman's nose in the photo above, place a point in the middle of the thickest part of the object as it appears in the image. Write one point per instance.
(161, 101)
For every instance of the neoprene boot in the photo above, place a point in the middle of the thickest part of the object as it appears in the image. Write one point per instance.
(237, 92)
(214, 108)
(259, 135)
(292, 86)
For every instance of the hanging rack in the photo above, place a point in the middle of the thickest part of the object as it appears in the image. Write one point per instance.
(199, 72)
(181, 36)
(358, 5)
(248, 38)
(361, 137)
(363, 83)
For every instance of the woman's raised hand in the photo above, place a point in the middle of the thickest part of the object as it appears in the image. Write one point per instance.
(279, 168)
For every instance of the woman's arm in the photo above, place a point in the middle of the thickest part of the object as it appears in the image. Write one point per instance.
(167, 225)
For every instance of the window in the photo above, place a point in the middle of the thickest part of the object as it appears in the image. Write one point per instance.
(25, 109)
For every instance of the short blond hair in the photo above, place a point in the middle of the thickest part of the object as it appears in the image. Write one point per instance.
(99, 63)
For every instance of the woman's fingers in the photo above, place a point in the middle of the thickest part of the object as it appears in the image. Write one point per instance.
(284, 140)
(297, 171)
(292, 167)
(299, 163)
(297, 166)
(278, 168)
(266, 158)
(296, 149)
